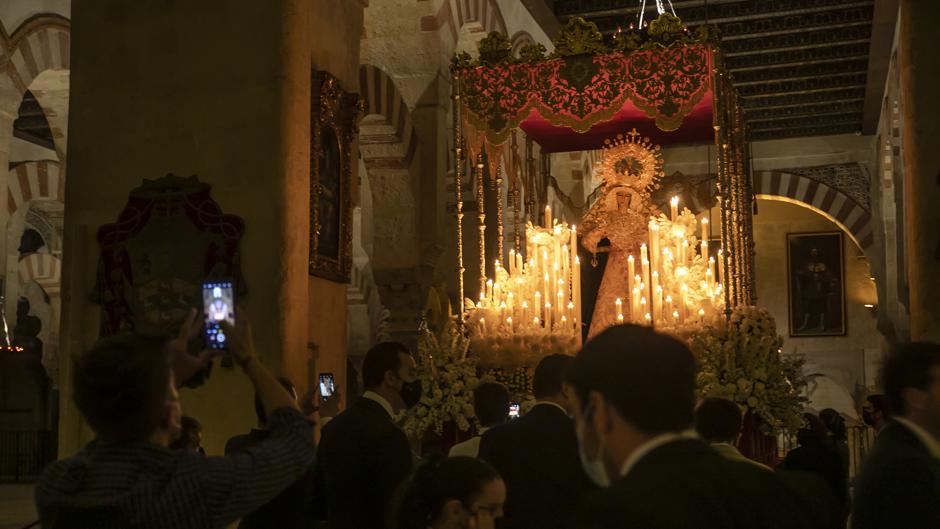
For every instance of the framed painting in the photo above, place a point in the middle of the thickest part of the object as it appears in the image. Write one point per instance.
(333, 126)
(816, 284)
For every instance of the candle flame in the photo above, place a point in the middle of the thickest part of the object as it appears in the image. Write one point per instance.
(674, 201)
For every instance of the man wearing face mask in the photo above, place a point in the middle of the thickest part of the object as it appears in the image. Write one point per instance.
(364, 457)
(634, 393)
(125, 388)
(537, 455)
(875, 412)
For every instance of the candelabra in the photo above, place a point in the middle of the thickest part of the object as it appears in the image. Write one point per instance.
(532, 305)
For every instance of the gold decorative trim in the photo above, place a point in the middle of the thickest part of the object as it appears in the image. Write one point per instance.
(337, 111)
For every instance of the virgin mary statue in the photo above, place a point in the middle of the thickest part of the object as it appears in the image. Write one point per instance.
(631, 169)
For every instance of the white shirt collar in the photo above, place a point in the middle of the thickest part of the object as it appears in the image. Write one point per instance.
(933, 446)
(651, 445)
(375, 397)
(550, 403)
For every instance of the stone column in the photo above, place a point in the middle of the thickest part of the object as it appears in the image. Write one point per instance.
(920, 100)
(220, 90)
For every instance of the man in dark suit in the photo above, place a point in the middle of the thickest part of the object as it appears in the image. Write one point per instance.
(633, 396)
(364, 457)
(537, 455)
(899, 485)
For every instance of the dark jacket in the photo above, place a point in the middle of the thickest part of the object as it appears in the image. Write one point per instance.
(292, 508)
(899, 484)
(537, 456)
(824, 462)
(363, 459)
(687, 485)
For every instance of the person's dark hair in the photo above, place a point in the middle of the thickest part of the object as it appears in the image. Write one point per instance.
(648, 377)
(189, 426)
(491, 403)
(550, 374)
(381, 358)
(120, 385)
(436, 481)
(834, 423)
(878, 402)
(259, 406)
(718, 420)
(908, 367)
(812, 433)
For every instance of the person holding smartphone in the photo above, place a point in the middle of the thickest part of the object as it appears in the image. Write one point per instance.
(125, 388)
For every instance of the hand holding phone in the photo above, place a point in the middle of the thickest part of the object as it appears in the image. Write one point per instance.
(218, 301)
(327, 385)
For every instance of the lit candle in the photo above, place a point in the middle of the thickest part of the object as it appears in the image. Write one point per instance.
(705, 239)
(657, 302)
(509, 323)
(675, 316)
(620, 318)
(674, 208)
(644, 264)
(654, 244)
(525, 310)
(635, 304)
(548, 217)
(618, 305)
(512, 262)
(669, 309)
(701, 316)
(548, 315)
(546, 292)
(482, 326)
(642, 306)
(489, 290)
(574, 317)
(631, 270)
(538, 303)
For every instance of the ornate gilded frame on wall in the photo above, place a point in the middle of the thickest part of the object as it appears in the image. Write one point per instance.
(333, 126)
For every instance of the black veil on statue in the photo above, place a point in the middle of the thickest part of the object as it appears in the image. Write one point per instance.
(591, 277)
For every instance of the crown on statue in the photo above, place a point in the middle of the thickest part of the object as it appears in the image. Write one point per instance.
(633, 161)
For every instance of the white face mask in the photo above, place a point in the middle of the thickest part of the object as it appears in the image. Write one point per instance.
(594, 469)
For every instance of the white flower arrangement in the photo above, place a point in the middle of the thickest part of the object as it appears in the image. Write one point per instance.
(741, 361)
(448, 375)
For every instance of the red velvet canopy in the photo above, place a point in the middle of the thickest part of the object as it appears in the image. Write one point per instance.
(575, 103)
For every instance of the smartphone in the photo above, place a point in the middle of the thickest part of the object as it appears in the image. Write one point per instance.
(326, 385)
(218, 301)
(514, 410)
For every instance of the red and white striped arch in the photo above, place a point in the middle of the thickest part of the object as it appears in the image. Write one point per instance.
(825, 200)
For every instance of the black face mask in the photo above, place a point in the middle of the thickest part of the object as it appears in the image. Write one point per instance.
(868, 418)
(411, 393)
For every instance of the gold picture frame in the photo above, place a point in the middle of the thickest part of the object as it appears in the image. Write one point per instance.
(333, 127)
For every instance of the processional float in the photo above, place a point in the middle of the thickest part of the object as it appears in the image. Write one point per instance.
(656, 85)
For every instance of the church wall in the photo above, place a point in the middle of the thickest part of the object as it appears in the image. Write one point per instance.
(214, 82)
(848, 360)
(332, 22)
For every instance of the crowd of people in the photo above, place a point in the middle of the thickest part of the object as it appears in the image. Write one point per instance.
(616, 439)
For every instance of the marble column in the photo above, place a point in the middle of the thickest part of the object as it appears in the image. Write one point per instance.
(920, 100)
